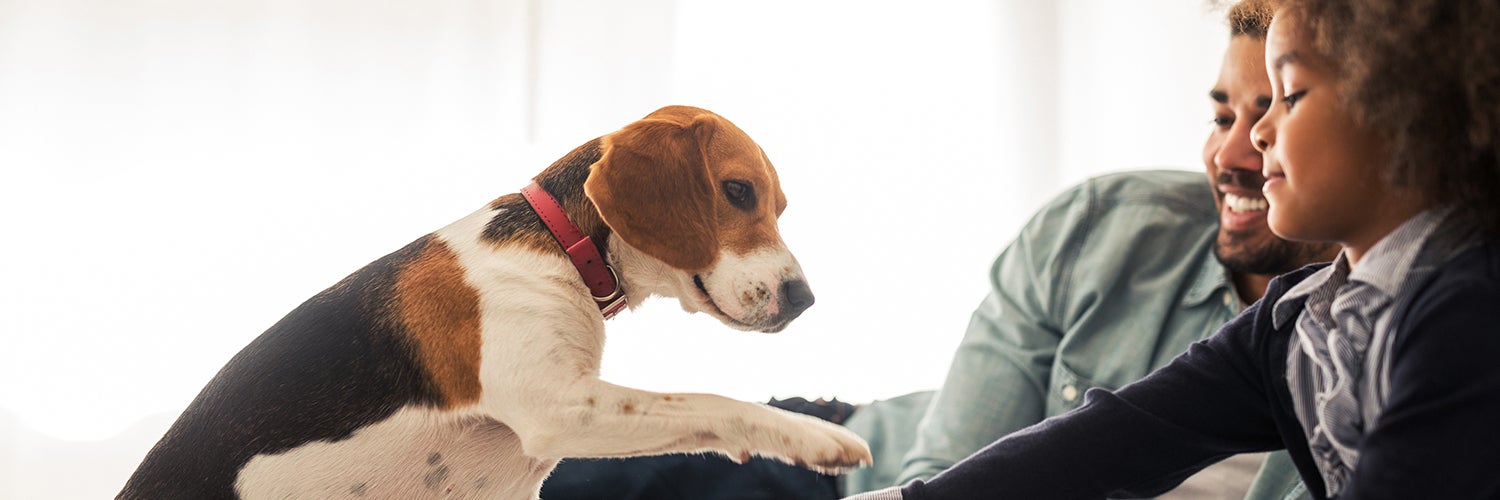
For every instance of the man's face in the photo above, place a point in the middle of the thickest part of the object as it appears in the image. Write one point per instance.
(1241, 96)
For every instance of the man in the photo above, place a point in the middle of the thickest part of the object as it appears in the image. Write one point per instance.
(1112, 280)
(1109, 281)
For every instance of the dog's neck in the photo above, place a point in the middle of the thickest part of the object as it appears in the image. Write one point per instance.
(564, 180)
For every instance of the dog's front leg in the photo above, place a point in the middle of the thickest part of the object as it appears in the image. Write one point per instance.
(593, 418)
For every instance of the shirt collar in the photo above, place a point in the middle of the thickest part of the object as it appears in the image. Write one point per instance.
(1289, 305)
(1387, 264)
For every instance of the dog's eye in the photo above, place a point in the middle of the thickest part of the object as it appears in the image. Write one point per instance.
(740, 193)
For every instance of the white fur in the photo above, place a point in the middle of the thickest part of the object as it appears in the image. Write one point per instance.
(416, 453)
(746, 289)
(542, 399)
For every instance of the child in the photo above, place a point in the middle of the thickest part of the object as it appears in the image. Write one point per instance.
(1378, 372)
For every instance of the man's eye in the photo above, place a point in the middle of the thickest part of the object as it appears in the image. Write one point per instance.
(740, 194)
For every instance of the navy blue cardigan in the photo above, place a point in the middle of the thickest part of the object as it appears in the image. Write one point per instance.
(1228, 394)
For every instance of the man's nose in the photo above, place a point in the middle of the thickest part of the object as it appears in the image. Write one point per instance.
(1238, 150)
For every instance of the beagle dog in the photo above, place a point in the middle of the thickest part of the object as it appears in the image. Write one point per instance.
(466, 364)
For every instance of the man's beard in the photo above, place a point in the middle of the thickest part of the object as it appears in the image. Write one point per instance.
(1277, 256)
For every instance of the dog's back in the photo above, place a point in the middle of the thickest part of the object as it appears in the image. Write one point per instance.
(335, 364)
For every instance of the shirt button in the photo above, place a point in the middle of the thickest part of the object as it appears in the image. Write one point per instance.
(1228, 299)
(1069, 392)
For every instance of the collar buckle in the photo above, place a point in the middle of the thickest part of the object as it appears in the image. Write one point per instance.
(598, 276)
(613, 303)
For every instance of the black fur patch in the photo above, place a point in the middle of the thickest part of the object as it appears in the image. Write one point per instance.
(563, 180)
(335, 364)
(512, 216)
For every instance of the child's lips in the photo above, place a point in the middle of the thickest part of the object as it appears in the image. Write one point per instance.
(1274, 181)
(1274, 175)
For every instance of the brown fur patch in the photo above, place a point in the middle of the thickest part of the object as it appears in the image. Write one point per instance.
(440, 312)
(658, 186)
(652, 188)
(732, 155)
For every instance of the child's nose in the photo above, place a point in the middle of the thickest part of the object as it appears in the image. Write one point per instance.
(1263, 134)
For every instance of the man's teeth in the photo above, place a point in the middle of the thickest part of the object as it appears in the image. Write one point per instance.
(1239, 203)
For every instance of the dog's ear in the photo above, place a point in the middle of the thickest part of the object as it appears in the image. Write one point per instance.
(653, 187)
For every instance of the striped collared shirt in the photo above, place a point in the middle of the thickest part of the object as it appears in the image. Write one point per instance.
(1338, 365)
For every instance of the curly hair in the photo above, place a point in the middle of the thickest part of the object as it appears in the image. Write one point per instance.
(1425, 74)
(1250, 18)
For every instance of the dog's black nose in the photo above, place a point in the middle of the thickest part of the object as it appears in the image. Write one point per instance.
(796, 297)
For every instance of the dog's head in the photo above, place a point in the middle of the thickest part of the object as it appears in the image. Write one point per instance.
(693, 203)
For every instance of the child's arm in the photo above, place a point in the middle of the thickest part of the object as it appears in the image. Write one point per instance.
(1209, 403)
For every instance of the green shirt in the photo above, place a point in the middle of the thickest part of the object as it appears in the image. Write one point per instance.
(1109, 281)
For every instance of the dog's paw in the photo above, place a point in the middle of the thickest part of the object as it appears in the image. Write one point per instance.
(815, 444)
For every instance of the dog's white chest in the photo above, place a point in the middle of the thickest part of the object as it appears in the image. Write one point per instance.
(416, 453)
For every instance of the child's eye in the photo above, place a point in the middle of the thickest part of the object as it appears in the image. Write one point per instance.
(1224, 121)
(1291, 100)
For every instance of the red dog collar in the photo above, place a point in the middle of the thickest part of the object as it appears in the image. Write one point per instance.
(604, 285)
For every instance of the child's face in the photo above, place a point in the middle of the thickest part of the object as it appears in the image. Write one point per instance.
(1321, 168)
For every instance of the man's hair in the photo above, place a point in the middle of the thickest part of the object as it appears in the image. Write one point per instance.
(1250, 18)
(1425, 74)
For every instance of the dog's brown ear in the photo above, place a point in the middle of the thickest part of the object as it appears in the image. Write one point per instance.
(653, 188)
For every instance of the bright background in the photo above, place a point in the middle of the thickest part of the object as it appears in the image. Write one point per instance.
(176, 175)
